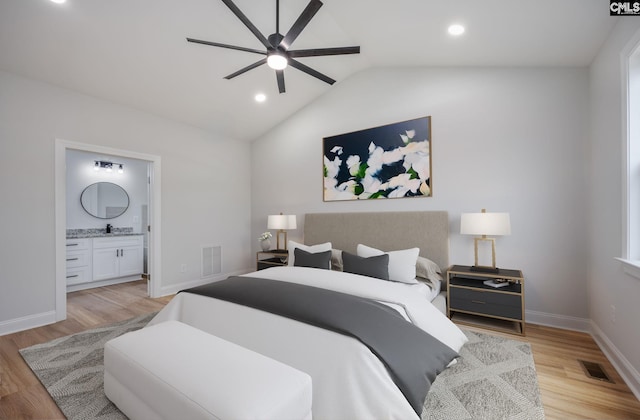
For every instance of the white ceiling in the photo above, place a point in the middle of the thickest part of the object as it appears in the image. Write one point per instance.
(134, 52)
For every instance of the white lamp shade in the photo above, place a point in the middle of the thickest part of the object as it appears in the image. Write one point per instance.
(281, 221)
(492, 224)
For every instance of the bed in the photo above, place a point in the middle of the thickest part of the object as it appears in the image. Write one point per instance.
(349, 380)
(427, 230)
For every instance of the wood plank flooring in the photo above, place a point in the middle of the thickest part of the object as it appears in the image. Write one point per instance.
(567, 393)
(21, 394)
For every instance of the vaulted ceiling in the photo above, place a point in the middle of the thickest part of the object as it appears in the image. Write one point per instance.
(134, 52)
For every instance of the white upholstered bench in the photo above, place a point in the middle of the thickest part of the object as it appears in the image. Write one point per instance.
(174, 371)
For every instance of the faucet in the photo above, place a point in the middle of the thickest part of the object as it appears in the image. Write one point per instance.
(108, 228)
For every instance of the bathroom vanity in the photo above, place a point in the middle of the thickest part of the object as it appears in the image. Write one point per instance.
(96, 259)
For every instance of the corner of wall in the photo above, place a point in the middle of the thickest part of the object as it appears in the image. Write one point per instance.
(630, 375)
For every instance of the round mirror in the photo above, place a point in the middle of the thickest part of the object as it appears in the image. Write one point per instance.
(104, 200)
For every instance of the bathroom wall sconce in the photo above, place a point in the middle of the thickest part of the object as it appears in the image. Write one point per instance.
(108, 166)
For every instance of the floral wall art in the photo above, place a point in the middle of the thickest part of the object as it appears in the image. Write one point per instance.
(390, 161)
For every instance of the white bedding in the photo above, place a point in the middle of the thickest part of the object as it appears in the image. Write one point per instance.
(349, 382)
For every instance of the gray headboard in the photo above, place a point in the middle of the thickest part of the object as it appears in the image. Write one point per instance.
(388, 231)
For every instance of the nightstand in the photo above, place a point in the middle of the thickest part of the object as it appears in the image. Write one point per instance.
(471, 301)
(275, 258)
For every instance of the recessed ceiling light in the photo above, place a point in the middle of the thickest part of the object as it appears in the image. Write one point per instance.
(260, 97)
(456, 30)
(59, 1)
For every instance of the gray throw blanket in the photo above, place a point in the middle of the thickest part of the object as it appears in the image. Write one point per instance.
(412, 356)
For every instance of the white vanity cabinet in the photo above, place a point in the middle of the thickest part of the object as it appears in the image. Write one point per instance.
(78, 257)
(119, 256)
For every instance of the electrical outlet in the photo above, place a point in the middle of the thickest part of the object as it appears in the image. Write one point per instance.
(613, 314)
(183, 268)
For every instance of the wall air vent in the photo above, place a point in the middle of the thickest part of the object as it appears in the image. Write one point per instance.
(211, 260)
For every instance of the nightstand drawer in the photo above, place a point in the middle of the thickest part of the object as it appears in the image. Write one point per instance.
(267, 259)
(486, 302)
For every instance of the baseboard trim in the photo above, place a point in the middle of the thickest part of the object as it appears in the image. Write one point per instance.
(558, 321)
(27, 322)
(630, 375)
(102, 283)
(175, 288)
(45, 318)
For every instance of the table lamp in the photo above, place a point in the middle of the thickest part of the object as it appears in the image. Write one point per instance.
(485, 224)
(281, 222)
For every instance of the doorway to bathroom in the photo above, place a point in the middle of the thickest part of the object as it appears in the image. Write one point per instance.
(107, 219)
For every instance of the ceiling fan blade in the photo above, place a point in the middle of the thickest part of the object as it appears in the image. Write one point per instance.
(247, 23)
(231, 47)
(280, 78)
(246, 69)
(323, 51)
(298, 65)
(302, 21)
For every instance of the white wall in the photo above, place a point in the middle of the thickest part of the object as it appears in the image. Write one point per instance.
(609, 285)
(81, 174)
(512, 140)
(201, 202)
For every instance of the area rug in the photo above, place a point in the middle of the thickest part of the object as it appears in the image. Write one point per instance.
(71, 369)
(494, 378)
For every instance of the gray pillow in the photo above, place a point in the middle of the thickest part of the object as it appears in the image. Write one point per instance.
(314, 260)
(377, 266)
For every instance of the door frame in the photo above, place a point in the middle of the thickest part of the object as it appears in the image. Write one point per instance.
(155, 269)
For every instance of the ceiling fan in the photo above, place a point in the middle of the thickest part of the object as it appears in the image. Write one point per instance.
(278, 54)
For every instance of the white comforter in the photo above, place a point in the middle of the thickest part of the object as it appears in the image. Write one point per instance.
(349, 382)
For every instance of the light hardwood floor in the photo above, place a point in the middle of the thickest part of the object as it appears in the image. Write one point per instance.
(21, 394)
(566, 392)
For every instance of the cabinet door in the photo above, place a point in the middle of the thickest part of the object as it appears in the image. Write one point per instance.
(105, 263)
(130, 261)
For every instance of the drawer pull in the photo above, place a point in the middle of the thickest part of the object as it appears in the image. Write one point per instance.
(72, 259)
(70, 277)
(73, 244)
(478, 301)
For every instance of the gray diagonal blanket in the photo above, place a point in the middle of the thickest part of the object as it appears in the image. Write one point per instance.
(412, 356)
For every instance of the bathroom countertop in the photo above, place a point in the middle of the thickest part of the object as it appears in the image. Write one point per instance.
(100, 235)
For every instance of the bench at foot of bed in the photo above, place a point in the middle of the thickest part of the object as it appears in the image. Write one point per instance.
(172, 370)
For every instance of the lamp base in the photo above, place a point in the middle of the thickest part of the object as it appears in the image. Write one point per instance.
(484, 269)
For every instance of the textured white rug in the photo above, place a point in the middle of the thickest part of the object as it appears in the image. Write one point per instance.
(71, 369)
(494, 378)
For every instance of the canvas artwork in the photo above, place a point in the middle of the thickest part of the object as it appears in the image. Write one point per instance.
(391, 161)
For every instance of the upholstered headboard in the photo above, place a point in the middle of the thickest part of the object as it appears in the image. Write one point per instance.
(389, 231)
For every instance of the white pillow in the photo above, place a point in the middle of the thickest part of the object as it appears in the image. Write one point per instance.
(402, 264)
(291, 246)
(336, 259)
(427, 269)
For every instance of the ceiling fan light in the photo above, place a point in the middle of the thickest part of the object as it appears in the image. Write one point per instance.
(456, 29)
(277, 61)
